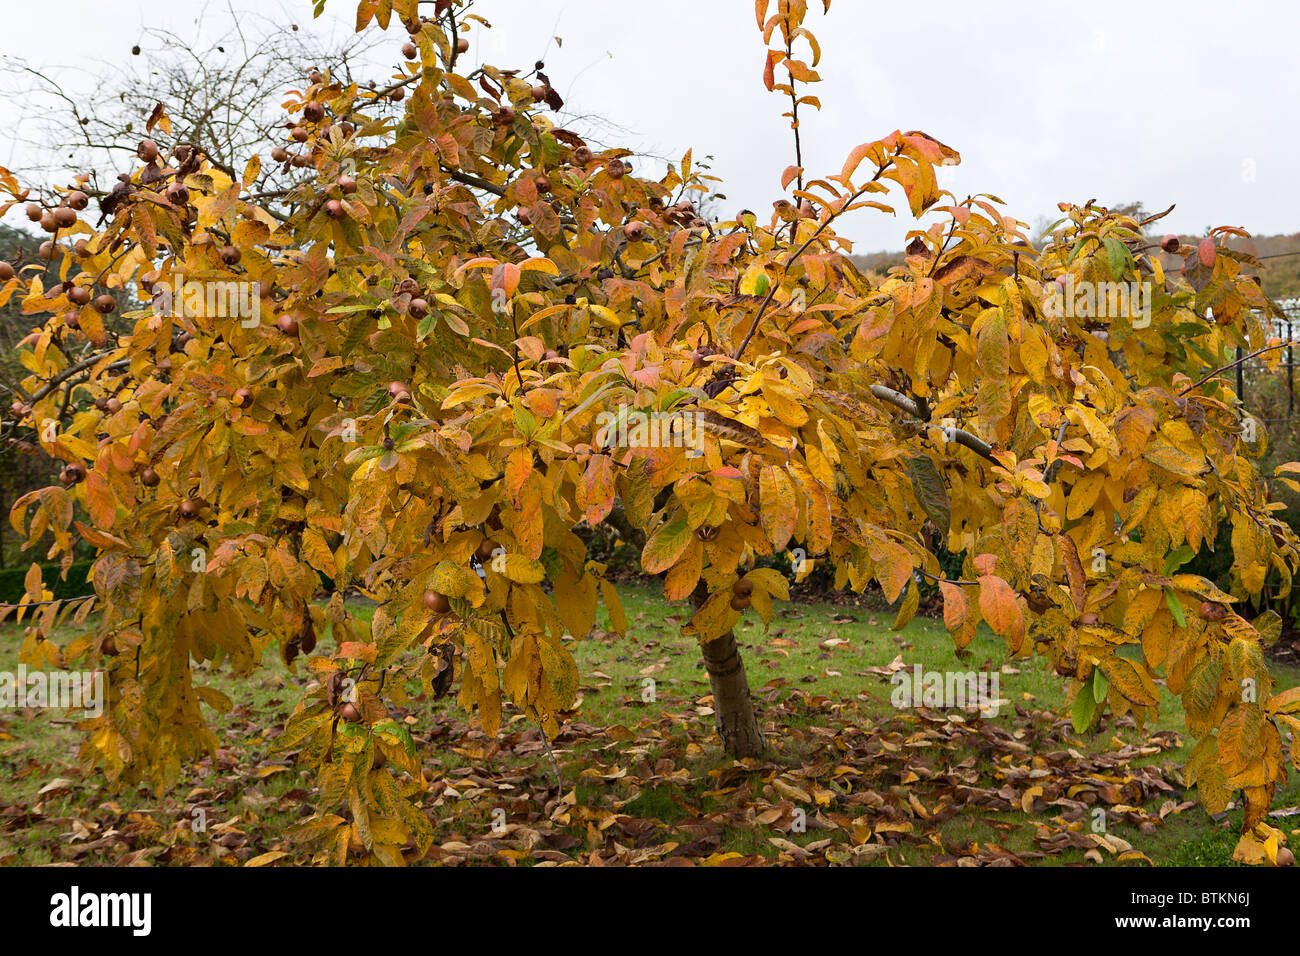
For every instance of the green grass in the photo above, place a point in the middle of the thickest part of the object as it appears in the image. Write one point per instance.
(811, 657)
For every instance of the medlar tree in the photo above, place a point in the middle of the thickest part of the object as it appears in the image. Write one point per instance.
(457, 321)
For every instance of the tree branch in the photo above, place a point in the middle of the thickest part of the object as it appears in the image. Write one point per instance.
(919, 410)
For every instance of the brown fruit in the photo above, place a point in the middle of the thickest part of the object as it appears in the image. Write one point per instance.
(462, 45)
(20, 409)
(313, 112)
(539, 93)
(149, 478)
(64, 217)
(108, 647)
(397, 95)
(298, 134)
(47, 251)
(242, 398)
(582, 156)
(190, 508)
(302, 160)
(314, 76)
(1088, 620)
(739, 602)
(616, 168)
(34, 211)
(72, 474)
(288, 325)
(504, 116)
(334, 209)
(524, 217)
(398, 392)
(1285, 857)
(806, 209)
(409, 51)
(437, 603)
(112, 406)
(418, 308)
(78, 200)
(6, 272)
(178, 195)
(79, 295)
(706, 532)
(348, 184)
(485, 549)
(280, 154)
(147, 150)
(81, 249)
(543, 184)
(1169, 243)
(635, 231)
(48, 222)
(350, 713)
(1210, 611)
(104, 304)
(379, 760)
(72, 321)
(229, 255)
(743, 588)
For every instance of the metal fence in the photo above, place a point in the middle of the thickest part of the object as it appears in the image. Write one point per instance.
(1287, 330)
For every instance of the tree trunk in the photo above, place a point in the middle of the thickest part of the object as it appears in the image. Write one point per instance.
(733, 708)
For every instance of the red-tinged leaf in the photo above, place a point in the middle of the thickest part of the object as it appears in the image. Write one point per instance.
(998, 605)
(596, 490)
(855, 159)
(769, 71)
(99, 499)
(505, 279)
(955, 605)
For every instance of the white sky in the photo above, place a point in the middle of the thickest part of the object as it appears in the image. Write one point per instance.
(1191, 102)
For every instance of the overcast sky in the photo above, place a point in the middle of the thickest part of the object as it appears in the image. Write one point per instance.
(1191, 103)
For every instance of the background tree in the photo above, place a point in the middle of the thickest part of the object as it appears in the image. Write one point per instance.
(222, 90)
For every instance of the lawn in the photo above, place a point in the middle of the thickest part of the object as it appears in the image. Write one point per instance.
(849, 779)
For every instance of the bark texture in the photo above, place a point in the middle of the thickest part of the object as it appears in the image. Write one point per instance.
(732, 706)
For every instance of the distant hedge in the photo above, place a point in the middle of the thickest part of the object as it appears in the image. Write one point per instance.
(76, 585)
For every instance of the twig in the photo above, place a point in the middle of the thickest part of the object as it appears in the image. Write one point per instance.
(1246, 358)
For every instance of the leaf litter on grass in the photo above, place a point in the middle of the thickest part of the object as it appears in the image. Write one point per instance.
(839, 786)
